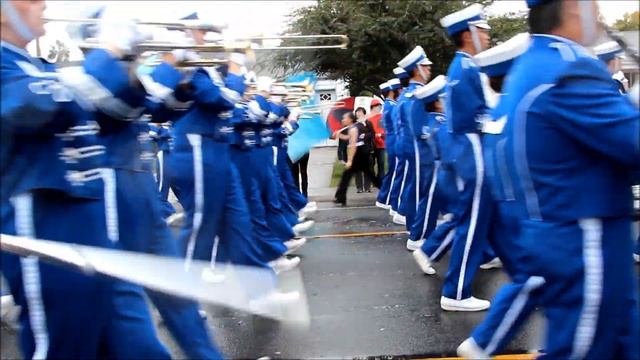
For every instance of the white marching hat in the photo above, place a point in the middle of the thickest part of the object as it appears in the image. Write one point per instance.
(394, 84)
(431, 91)
(400, 73)
(384, 86)
(416, 57)
(472, 15)
(607, 51)
(497, 60)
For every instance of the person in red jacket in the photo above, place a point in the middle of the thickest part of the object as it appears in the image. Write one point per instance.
(375, 117)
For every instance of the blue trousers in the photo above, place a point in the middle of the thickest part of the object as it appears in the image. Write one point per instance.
(384, 194)
(514, 302)
(296, 199)
(59, 304)
(279, 218)
(590, 288)
(269, 244)
(428, 206)
(398, 182)
(163, 184)
(141, 227)
(407, 205)
(217, 222)
(473, 214)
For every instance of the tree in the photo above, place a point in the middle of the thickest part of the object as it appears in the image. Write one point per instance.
(629, 21)
(380, 33)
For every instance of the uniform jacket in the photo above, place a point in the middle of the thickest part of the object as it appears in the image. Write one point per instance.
(465, 101)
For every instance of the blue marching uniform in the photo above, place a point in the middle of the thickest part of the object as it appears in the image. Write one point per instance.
(161, 136)
(384, 195)
(426, 126)
(279, 218)
(465, 109)
(52, 160)
(578, 240)
(140, 218)
(243, 146)
(280, 145)
(408, 195)
(199, 170)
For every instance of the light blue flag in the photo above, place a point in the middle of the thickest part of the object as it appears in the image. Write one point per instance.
(312, 131)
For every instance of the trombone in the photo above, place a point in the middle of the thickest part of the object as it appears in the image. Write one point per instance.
(170, 25)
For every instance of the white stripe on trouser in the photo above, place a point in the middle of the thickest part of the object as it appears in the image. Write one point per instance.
(393, 179)
(214, 252)
(111, 204)
(275, 155)
(404, 178)
(198, 183)
(417, 182)
(432, 188)
(447, 240)
(160, 172)
(514, 311)
(593, 277)
(474, 139)
(23, 207)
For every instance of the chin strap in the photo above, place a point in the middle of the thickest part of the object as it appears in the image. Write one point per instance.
(475, 38)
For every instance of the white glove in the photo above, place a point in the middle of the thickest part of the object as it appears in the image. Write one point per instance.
(184, 55)
(119, 32)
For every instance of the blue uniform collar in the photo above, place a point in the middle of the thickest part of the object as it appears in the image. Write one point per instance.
(558, 38)
(17, 50)
(463, 53)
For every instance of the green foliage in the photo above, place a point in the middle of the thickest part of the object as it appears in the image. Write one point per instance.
(380, 33)
(629, 21)
(505, 27)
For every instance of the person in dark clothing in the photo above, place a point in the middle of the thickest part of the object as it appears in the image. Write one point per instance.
(358, 157)
(362, 183)
(299, 172)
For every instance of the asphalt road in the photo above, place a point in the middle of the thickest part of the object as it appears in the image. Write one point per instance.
(367, 298)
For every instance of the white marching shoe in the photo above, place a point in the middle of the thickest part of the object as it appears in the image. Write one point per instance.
(392, 212)
(413, 245)
(302, 227)
(10, 312)
(284, 263)
(382, 206)
(294, 244)
(495, 263)
(469, 349)
(636, 257)
(308, 209)
(399, 219)
(175, 219)
(468, 304)
(302, 218)
(423, 262)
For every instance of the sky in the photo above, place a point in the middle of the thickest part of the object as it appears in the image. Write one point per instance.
(246, 18)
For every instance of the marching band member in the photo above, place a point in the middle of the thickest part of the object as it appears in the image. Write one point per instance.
(503, 234)
(465, 109)
(580, 245)
(418, 65)
(610, 53)
(390, 91)
(139, 223)
(161, 136)
(427, 116)
(401, 174)
(52, 188)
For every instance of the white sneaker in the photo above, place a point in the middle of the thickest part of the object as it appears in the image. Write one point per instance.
(284, 264)
(302, 218)
(392, 212)
(382, 206)
(399, 219)
(294, 244)
(468, 304)
(636, 257)
(423, 262)
(274, 302)
(469, 349)
(413, 245)
(302, 227)
(308, 209)
(495, 263)
(175, 219)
